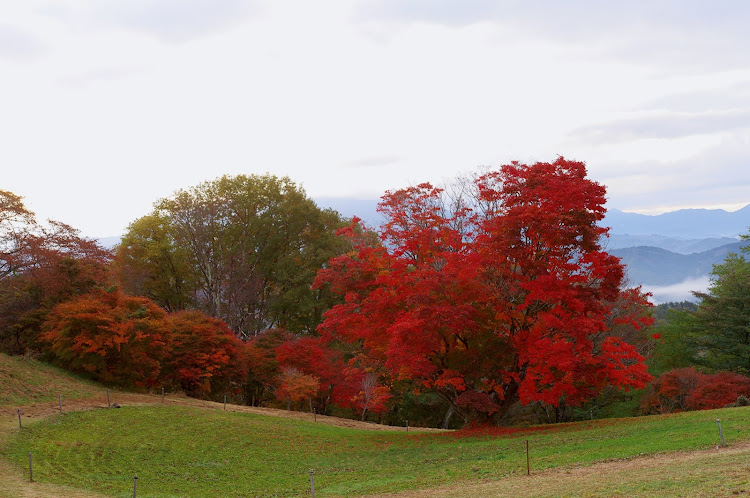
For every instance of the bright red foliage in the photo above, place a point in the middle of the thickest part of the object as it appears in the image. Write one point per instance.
(684, 389)
(506, 293)
(718, 390)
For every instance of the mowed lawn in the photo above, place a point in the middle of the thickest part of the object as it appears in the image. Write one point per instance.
(184, 451)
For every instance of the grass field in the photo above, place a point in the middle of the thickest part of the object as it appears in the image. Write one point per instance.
(184, 451)
(198, 451)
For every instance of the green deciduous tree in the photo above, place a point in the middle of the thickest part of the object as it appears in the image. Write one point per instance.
(241, 248)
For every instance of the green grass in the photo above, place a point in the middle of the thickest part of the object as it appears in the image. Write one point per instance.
(180, 451)
(24, 381)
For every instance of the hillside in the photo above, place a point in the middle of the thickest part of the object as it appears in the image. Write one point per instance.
(673, 244)
(24, 381)
(197, 449)
(684, 223)
(184, 451)
(653, 266)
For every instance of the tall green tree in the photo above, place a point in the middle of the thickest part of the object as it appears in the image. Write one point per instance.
(716, 335)
(241, 248)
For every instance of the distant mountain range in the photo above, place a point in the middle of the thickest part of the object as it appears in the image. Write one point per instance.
(685, 223)
(654, 266)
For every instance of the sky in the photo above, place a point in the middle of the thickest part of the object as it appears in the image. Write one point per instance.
(108, 106)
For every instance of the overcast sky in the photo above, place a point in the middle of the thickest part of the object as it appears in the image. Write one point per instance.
(107, 106)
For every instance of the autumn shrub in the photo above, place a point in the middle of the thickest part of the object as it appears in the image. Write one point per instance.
(205, 356)
(477, 406)
(684, 389)
(133, 343)
(718, 390)
(262, 365)
(295, 386)
(109, 336)
(339, 383)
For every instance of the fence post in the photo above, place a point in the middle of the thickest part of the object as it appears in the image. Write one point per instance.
(315, 415)
(312, 482)
(162, 395)
(20, 426)
(135, 486)
(721, 433)
(225, 402)
(59, 401)
(407, 426)
(528, 466)
(109, 405)
(31, 470)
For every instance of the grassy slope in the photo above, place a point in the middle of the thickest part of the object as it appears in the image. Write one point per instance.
(184, 451)
(179, 451)
(25, 381)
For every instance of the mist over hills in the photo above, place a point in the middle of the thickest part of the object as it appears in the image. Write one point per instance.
(654, 266)
(673, 244)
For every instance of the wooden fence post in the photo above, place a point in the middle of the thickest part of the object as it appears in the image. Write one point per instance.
(135, 486)
(59, 401)
(162, 395)
(528, 466)
(312, 482)
(109, 405)
(31, 471)
(20, 426)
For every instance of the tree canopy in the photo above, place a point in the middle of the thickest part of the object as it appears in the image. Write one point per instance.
(241, 248)
(503, 290)
(41, 264)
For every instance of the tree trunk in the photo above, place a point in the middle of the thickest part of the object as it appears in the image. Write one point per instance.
(448, 416)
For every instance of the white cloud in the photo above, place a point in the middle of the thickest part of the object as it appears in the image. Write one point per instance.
(671, 125)
(18, 44)
(131, 100)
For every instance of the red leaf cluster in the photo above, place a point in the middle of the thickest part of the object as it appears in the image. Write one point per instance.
(505, 292)
(685, 389)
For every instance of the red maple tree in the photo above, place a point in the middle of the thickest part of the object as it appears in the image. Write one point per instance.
(505, 292)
